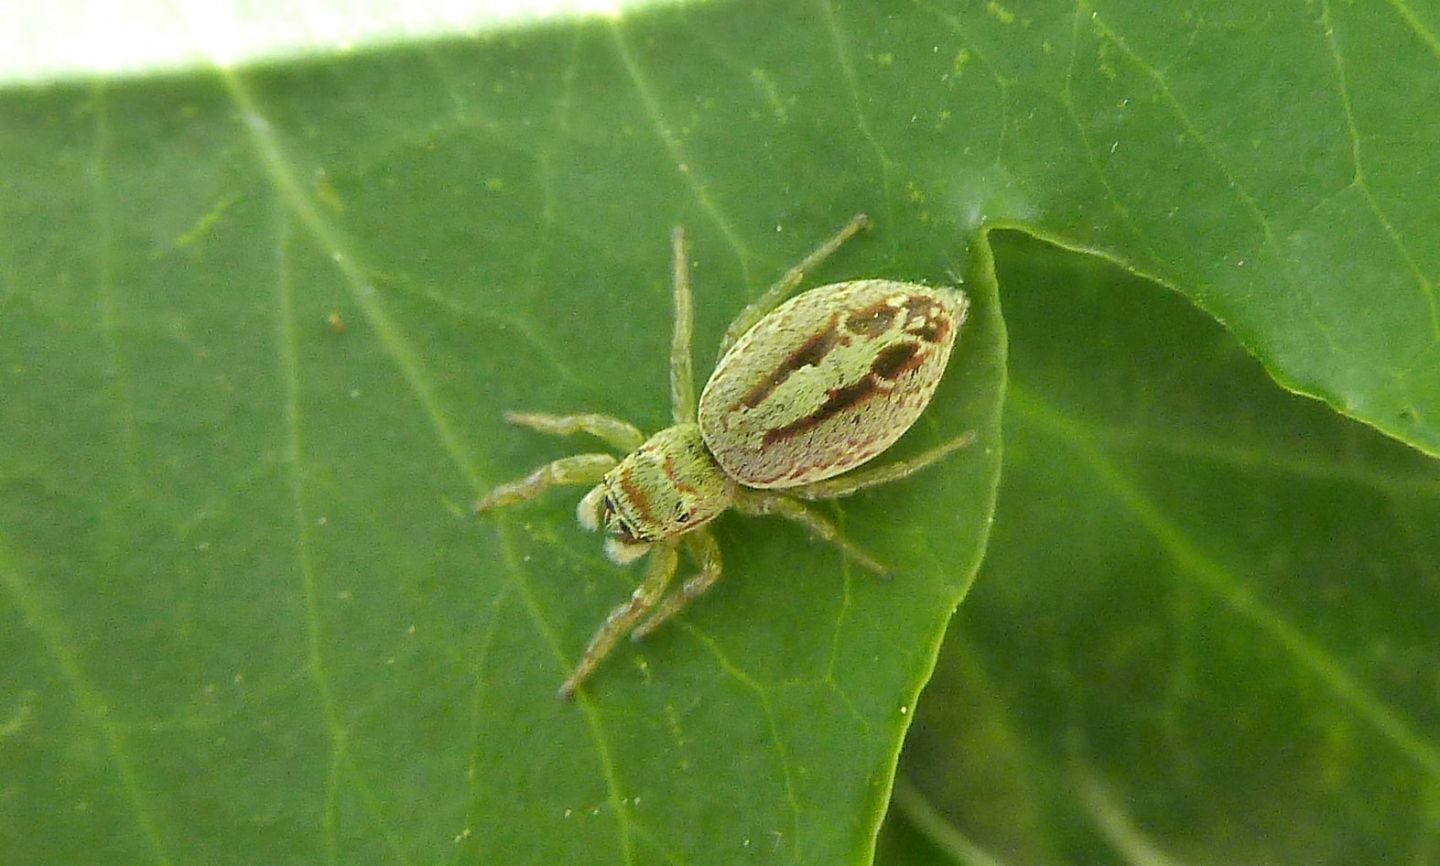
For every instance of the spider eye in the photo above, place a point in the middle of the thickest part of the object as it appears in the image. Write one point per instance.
(682, 517)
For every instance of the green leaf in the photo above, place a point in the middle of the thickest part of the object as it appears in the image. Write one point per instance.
(258, 323)
(260, 329)
(1205, 627)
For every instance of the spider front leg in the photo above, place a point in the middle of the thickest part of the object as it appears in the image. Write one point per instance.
(759, 502)
(682, 372)
(579, 469)
(706, 552)
(787, 283)
(622, 619)
(623, 435)
(859, 479)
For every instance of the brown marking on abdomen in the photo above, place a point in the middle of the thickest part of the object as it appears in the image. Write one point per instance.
(810, 354)
(872, 321)
(896, 360)
(837, 400)
(926, 319)
(934, 331)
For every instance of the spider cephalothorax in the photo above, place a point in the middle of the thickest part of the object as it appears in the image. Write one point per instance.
(668, 486)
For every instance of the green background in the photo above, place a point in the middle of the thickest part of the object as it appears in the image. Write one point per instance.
(258, 322)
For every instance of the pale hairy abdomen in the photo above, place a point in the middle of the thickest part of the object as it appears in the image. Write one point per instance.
(828, 380)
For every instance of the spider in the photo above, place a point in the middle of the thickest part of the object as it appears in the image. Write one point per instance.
(804, 391)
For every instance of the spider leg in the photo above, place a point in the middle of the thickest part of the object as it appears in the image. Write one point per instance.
(758, 502)
(682, 372)
(706, 552)
(852, 482)
(658, 572)
(579, 469)
(786, 284)
(621, 434)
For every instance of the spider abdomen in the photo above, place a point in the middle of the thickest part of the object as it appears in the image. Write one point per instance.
(828, 380)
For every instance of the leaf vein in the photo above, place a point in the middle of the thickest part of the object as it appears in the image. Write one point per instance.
(763, 696)
(89, 702)
(1068, 98)
(609, 770)
(545, 168)
(1242, 456)
(314, 627)
(282, 177)
(1416, 26)
(1001, 82)
(1427, 290)
(482, 660)
(852, 87)
(1247, 201)
(677, 153)
(116, 369)
(1191, 558)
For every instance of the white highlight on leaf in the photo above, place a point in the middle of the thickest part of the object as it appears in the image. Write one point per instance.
(74, 38)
